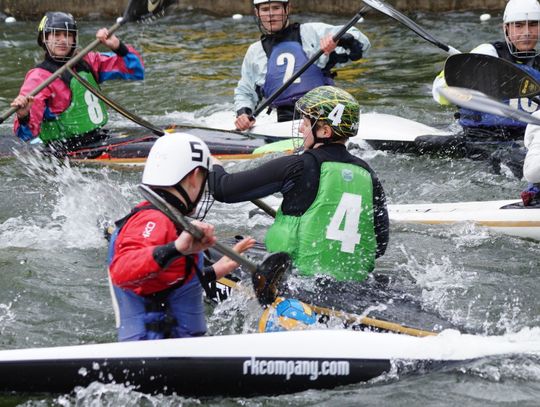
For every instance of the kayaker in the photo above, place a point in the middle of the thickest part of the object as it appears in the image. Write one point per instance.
(65, 115)
(333, 219)
(531, 166)
(156, 270)
(284, 47)
(521, 29)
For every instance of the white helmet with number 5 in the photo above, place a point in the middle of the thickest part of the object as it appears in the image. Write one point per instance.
(172, 157)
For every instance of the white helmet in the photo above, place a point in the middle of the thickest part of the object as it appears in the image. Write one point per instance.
(174, 156)
(257, 2)
(521, 10)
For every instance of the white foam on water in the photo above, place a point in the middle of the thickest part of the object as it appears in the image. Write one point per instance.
(80, 198)
(7, 316)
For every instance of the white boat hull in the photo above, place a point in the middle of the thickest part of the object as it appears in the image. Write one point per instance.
(521, 221)
(248, 364)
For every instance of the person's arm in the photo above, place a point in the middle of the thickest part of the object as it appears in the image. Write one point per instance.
(351, 47)
(273, 176)
(245, 93)
(531, 166)
(123, 62)
(380, 217)
(148, 245)
(27, 124)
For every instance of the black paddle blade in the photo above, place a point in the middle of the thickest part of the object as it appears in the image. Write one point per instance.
(268, 276)
(144, 10)
(475, 100)
(490, 75)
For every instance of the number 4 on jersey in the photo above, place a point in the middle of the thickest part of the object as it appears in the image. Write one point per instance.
(347, 213)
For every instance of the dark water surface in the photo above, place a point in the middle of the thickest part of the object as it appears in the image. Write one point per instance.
(53, 284)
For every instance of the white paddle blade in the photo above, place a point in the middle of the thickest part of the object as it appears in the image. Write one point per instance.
(475, 100)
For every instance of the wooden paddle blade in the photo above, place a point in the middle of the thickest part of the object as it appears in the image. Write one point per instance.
(269, 275)
(493, 76)
(143, 10)
(475, 100)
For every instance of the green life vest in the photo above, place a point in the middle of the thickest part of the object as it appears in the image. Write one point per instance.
(336, 235)
(85, 113)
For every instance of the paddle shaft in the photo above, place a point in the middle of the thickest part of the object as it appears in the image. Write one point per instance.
(63, 69)
(348, 317)
(311, 61)
(111, 103)
(177, 217)
(480, 102)
(406, 21)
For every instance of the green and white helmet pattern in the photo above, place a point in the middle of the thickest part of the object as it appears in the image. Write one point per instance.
(339, 109)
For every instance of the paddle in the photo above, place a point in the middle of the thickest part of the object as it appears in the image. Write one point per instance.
(111, 103)
(153, 128)
(137, 10)
(266, 276)
(493, 76)
(268, 101)
(475, 100)
(396, 15)
(350, 318)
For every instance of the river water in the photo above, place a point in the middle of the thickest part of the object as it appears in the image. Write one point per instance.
(53, 284)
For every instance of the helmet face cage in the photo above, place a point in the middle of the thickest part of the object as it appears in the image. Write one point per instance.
(269, 16)
(524, 35)
(204, 202)
(52, 24)
(299, 120)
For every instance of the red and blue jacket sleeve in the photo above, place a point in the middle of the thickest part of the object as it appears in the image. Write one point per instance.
(124, 63)
(30, 129)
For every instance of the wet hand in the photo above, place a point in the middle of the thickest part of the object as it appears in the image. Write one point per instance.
(226, 265)
(111, 42)
(327, 44)
(187, 244)
(244, 122)
(23, 105)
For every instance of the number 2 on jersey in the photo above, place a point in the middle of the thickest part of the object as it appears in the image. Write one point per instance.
(287, 58)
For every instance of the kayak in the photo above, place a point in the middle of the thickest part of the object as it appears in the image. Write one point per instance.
(509, 217)
(248, 364)
(131, 147)
(384, 132)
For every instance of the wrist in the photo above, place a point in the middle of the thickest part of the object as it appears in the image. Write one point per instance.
(121, 49)
(24, 118)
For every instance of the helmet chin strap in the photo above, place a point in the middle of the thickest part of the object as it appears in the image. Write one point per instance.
(190, 205)
(319, 140)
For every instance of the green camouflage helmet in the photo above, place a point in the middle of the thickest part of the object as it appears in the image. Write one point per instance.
(337, 108)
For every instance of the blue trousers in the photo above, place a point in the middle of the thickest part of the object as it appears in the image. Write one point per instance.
(138, 319)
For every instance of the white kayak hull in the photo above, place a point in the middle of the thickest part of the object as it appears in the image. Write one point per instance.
(505, 216)
(372, 127)
(248, 364)
(509, 217)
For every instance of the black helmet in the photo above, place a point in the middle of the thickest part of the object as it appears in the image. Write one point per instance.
(56, 20)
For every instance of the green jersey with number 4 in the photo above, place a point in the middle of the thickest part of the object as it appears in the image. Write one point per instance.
(336, 235)
(85, 113)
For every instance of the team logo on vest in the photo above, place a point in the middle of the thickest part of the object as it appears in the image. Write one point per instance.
(148, 229)
(347, 175)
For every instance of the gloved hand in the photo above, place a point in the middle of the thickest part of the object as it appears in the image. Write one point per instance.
(268, 276)
(531, 194)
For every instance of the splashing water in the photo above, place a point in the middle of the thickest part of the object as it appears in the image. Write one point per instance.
(81, 198)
